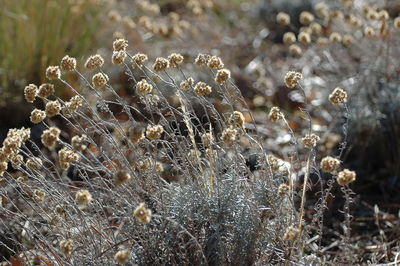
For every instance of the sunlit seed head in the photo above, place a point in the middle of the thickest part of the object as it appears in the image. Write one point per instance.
(53, 72)
(346, 177)
(289, 38)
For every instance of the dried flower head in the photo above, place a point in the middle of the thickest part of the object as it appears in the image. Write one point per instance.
(346, 177)
(295, 50)
(53, 72)
(348, 40)
(306, 18)
(138, 60)
(187, 84)
(45, 90)
(338, 96)
(236, 119)
(322, 41)
(283, 18)
(207, 139)
(66, 156)
(120, 45)
(202, 59)
(94, 61)
(3, 167)
(335, 37)
(16, 161)
(122, 257)
(396, 22)
(369, 32)
(67, 246)
(50, 137)
(143, 87)
(292, 78)
(202, 89)
(83, 197)
(30, 93)
(68, 63)
(37, 116)
(39, 195)
(136, 134)
(99, 80)
(275, 114)
(215, 62)
(289, 37)
(118, 57)
(154, 132)
(229, 135)
(310, 140)
(34, 163)
(292, 233)
(316, 28)
(330, 164)
(78, 142)
(304, 37)
(175, 60)
(121, 177)
(114, 16)
(383, 14)
(142, 214)
(160, 64)
(222, 76)
(144, 164)
(53, 108)
(283, 189)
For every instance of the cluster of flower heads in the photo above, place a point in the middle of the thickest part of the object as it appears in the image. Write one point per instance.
(149, 18)
(341, 25)
(10, 151)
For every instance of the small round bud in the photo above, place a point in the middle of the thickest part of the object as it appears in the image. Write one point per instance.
(175, 60)
(310, 140)
(122, 257)
(338, 96)
(154, 132)
(346, 177)
(68, 63)
(295, 50)
(292, 78)
(335, 37)
(160, 64)
(99, 80)
(143, 87)
(283, 18)
(275, 114)
(142, 214)
(215, 63)
(289, 38)
(120, 44)
(306, 18)
(53, 72)
(45, 90)
(304, 38)
(30, 93)
(53, 108)
(138, 60)
(118, 57)
(67, 246)
(330, 164)
(222, 76)
(202, 89)
(94, 61)
(83, 197)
